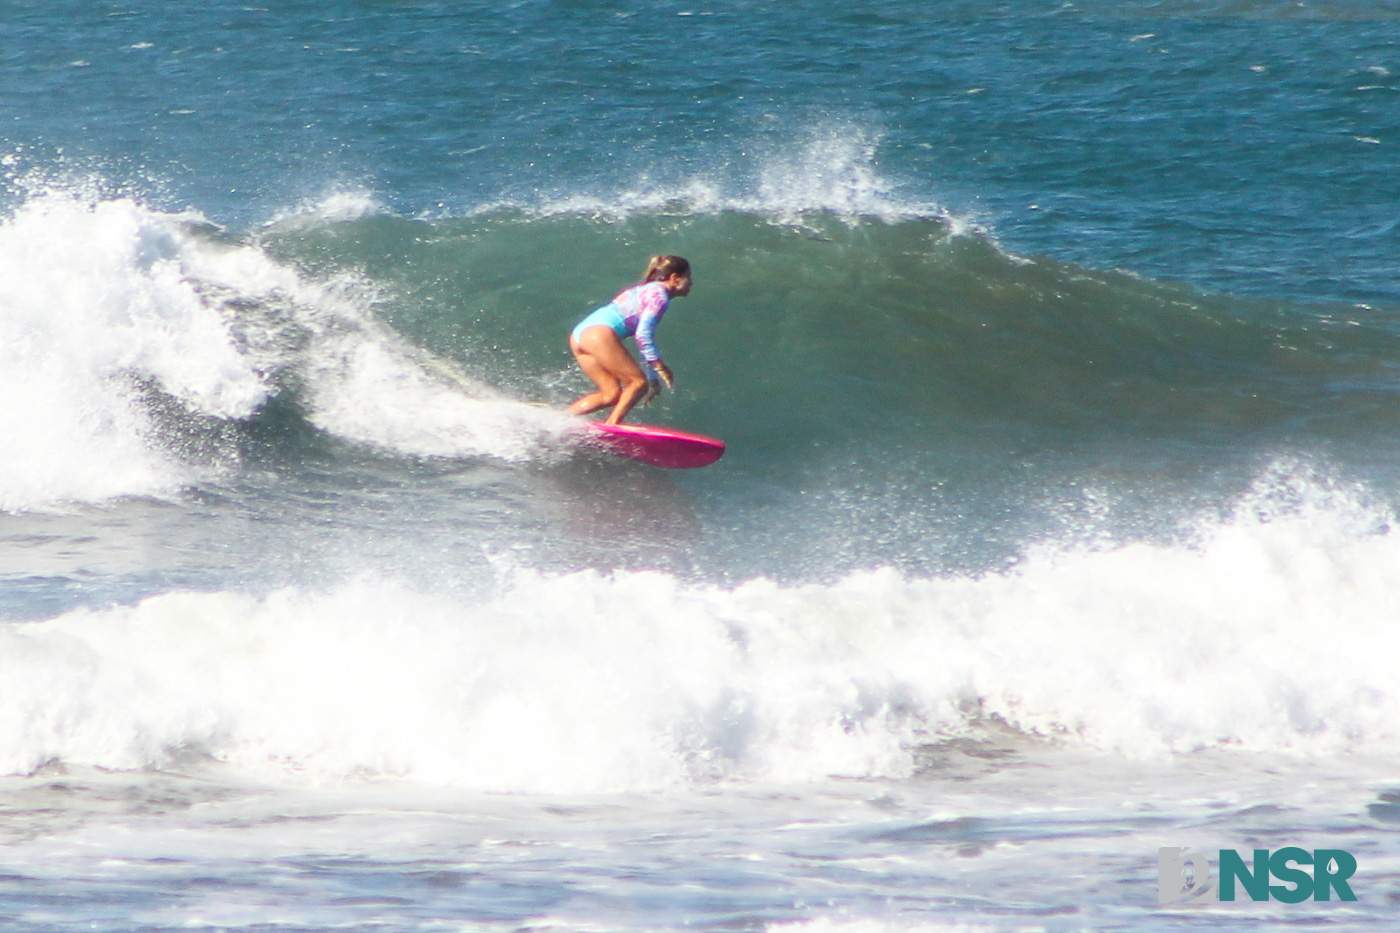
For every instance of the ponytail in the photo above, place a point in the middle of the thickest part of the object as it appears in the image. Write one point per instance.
(662, 268)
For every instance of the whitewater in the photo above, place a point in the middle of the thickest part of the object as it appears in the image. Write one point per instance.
(358, 657)
(1054, 349)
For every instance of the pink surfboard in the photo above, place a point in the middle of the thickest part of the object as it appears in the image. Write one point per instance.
(663, 447)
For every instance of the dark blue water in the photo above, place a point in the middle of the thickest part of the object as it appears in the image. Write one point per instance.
(1232, 145)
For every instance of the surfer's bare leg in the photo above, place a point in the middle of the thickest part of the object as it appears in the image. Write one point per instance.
(608, 387)
(631, 394)
(619, 379)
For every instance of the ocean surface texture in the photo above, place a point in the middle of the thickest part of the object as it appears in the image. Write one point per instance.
(1056, 345)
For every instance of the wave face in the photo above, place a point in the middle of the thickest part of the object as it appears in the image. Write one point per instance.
(865, 325)
(894, 385)
(867, 359)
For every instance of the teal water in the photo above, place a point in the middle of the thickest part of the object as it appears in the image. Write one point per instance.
(1054, 345)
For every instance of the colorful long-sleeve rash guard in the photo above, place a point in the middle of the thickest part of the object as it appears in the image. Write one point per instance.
(635, 312)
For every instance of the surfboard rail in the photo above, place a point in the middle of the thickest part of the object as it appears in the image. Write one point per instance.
(657, 446)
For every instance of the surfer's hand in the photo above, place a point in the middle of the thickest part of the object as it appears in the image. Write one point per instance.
(664, 372)
(653, 390)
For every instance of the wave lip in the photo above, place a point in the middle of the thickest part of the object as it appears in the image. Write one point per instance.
(126, 332)
(96, 308)
(834, 170)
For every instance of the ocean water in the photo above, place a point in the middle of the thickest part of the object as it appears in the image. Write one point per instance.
(1056, 345)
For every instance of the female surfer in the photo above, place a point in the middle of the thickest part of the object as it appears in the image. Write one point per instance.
(597, 341)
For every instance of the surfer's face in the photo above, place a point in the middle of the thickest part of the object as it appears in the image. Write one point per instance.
(678, 284)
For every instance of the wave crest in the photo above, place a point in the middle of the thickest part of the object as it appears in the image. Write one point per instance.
(1259, 635)
(126, 332)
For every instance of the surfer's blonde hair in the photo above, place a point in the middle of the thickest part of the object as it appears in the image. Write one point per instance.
(661, 268)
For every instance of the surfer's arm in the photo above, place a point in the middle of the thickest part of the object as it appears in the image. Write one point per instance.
(653, 306)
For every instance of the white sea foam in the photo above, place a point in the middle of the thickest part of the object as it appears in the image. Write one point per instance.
(366, 386)
(338, 206)
(104, 299)
(847, 925)
(91, 296)
(1275, 631)
(834, 171)
(833, 168)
